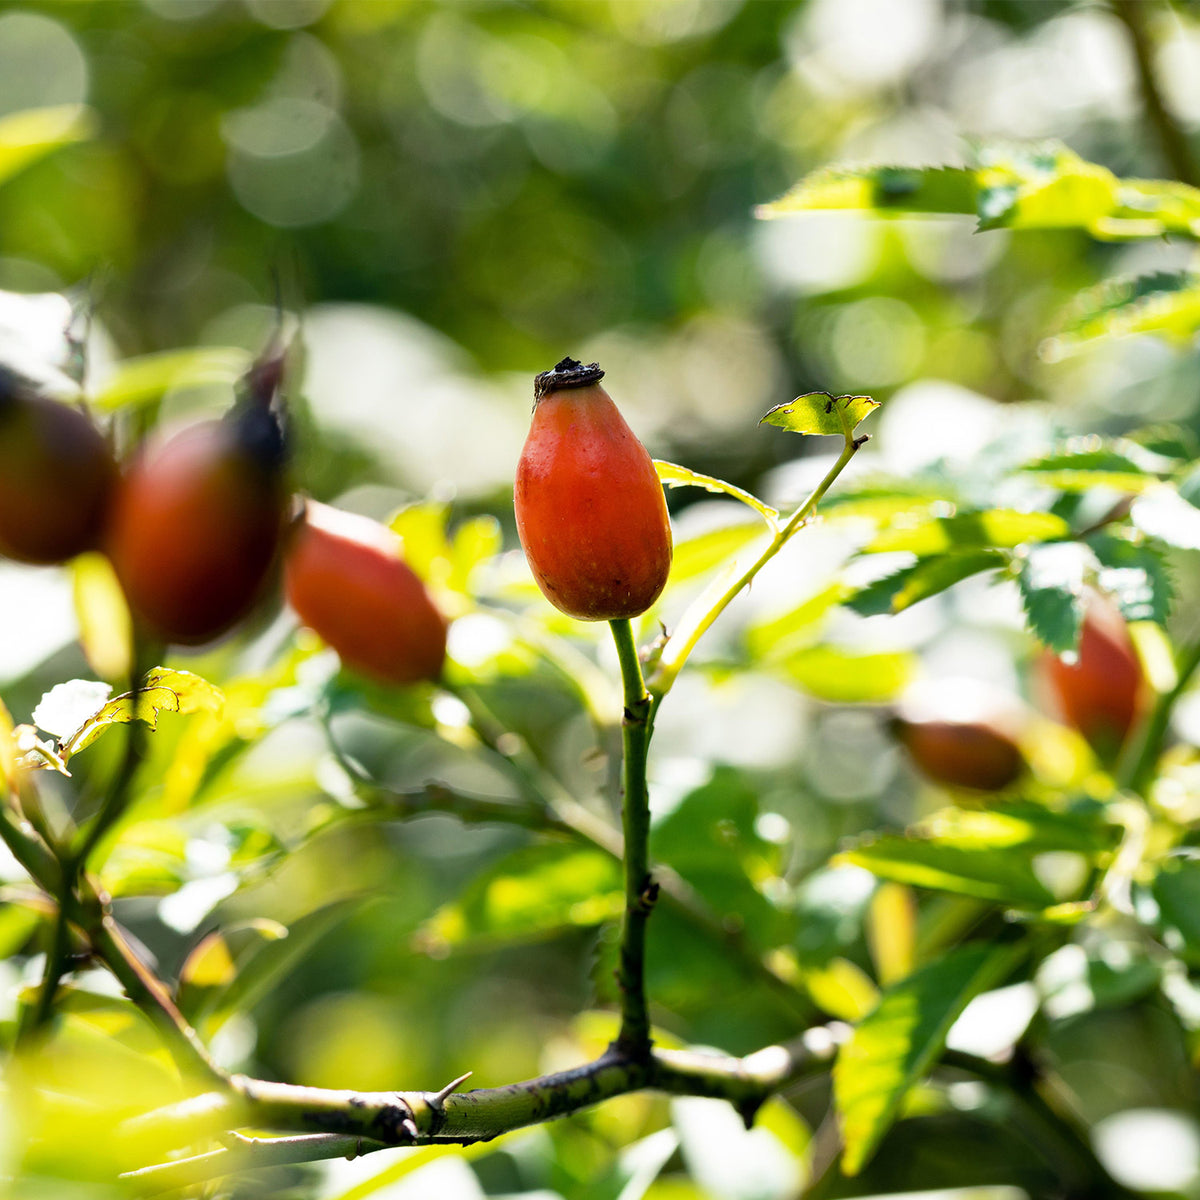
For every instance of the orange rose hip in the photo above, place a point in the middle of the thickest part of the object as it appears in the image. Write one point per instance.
(590, 509)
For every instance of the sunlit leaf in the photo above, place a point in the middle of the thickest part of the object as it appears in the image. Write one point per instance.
(847, 678)
(422, 527)
(209, 964)
(896, 1045)
(998, 527)
(821, 413)
(879, 189)
(775, 636)
(474, 542)
(989, 854)
(892, 932)
(105, 626)
(1042, 186)
(146, 379)
(842, 989)
(27, 135)
(528, 894)
(928, 577)
(1093, 468)
(163, 690)
(1051, 586)
(673, 475)
(1164, 302)
(696, 555)
(1136, 576)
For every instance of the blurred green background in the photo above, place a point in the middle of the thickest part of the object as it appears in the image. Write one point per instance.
(456, 195)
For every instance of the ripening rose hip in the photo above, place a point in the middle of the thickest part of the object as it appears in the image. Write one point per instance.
(590, 509)
(56, 477)
(962, 734)
(198, 520)
(346, 580)
(1102, 693)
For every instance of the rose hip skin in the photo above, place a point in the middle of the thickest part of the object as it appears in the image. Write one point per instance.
(197, 523)
(963, 754)
(56, 479)
(590, 509)
(346, 581)
(1102, 693)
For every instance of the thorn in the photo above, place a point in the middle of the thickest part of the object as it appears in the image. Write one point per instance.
(437, 1100)
(410, 1127)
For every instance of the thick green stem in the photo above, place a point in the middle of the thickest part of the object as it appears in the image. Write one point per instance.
(1139, 762)
(344, 1123)
(640, 889)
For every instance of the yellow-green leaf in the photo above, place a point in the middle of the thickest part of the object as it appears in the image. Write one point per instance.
(895, 1046)
(163, 690)
(28, 135)
(821, 413)
(673, 475)
(143, 380)
(105, 626)
(1000, 527)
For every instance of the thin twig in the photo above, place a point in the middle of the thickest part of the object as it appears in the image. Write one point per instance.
(1175, 146)
(682, 642)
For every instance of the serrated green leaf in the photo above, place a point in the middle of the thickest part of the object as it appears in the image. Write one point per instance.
(1051, 585)
(1086, 469)
(879, 189)
(673, 475)
(1001, 528)
(928, 577)
(944, 867)
(846, 678)
(528, 894)
(1043, 187)
(1164, 302)
(163, 690)
(30, 134)
(896, 1045)
(1135, 576)
(985, 853)
(146, 379)
(821, 413)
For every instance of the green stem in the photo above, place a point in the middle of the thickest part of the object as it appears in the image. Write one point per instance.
(246, 1154)
(1139, 762)
(150, 994)
(640, 889)
(681, 643)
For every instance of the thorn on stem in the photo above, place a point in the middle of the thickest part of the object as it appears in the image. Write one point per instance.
(438, 1099)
